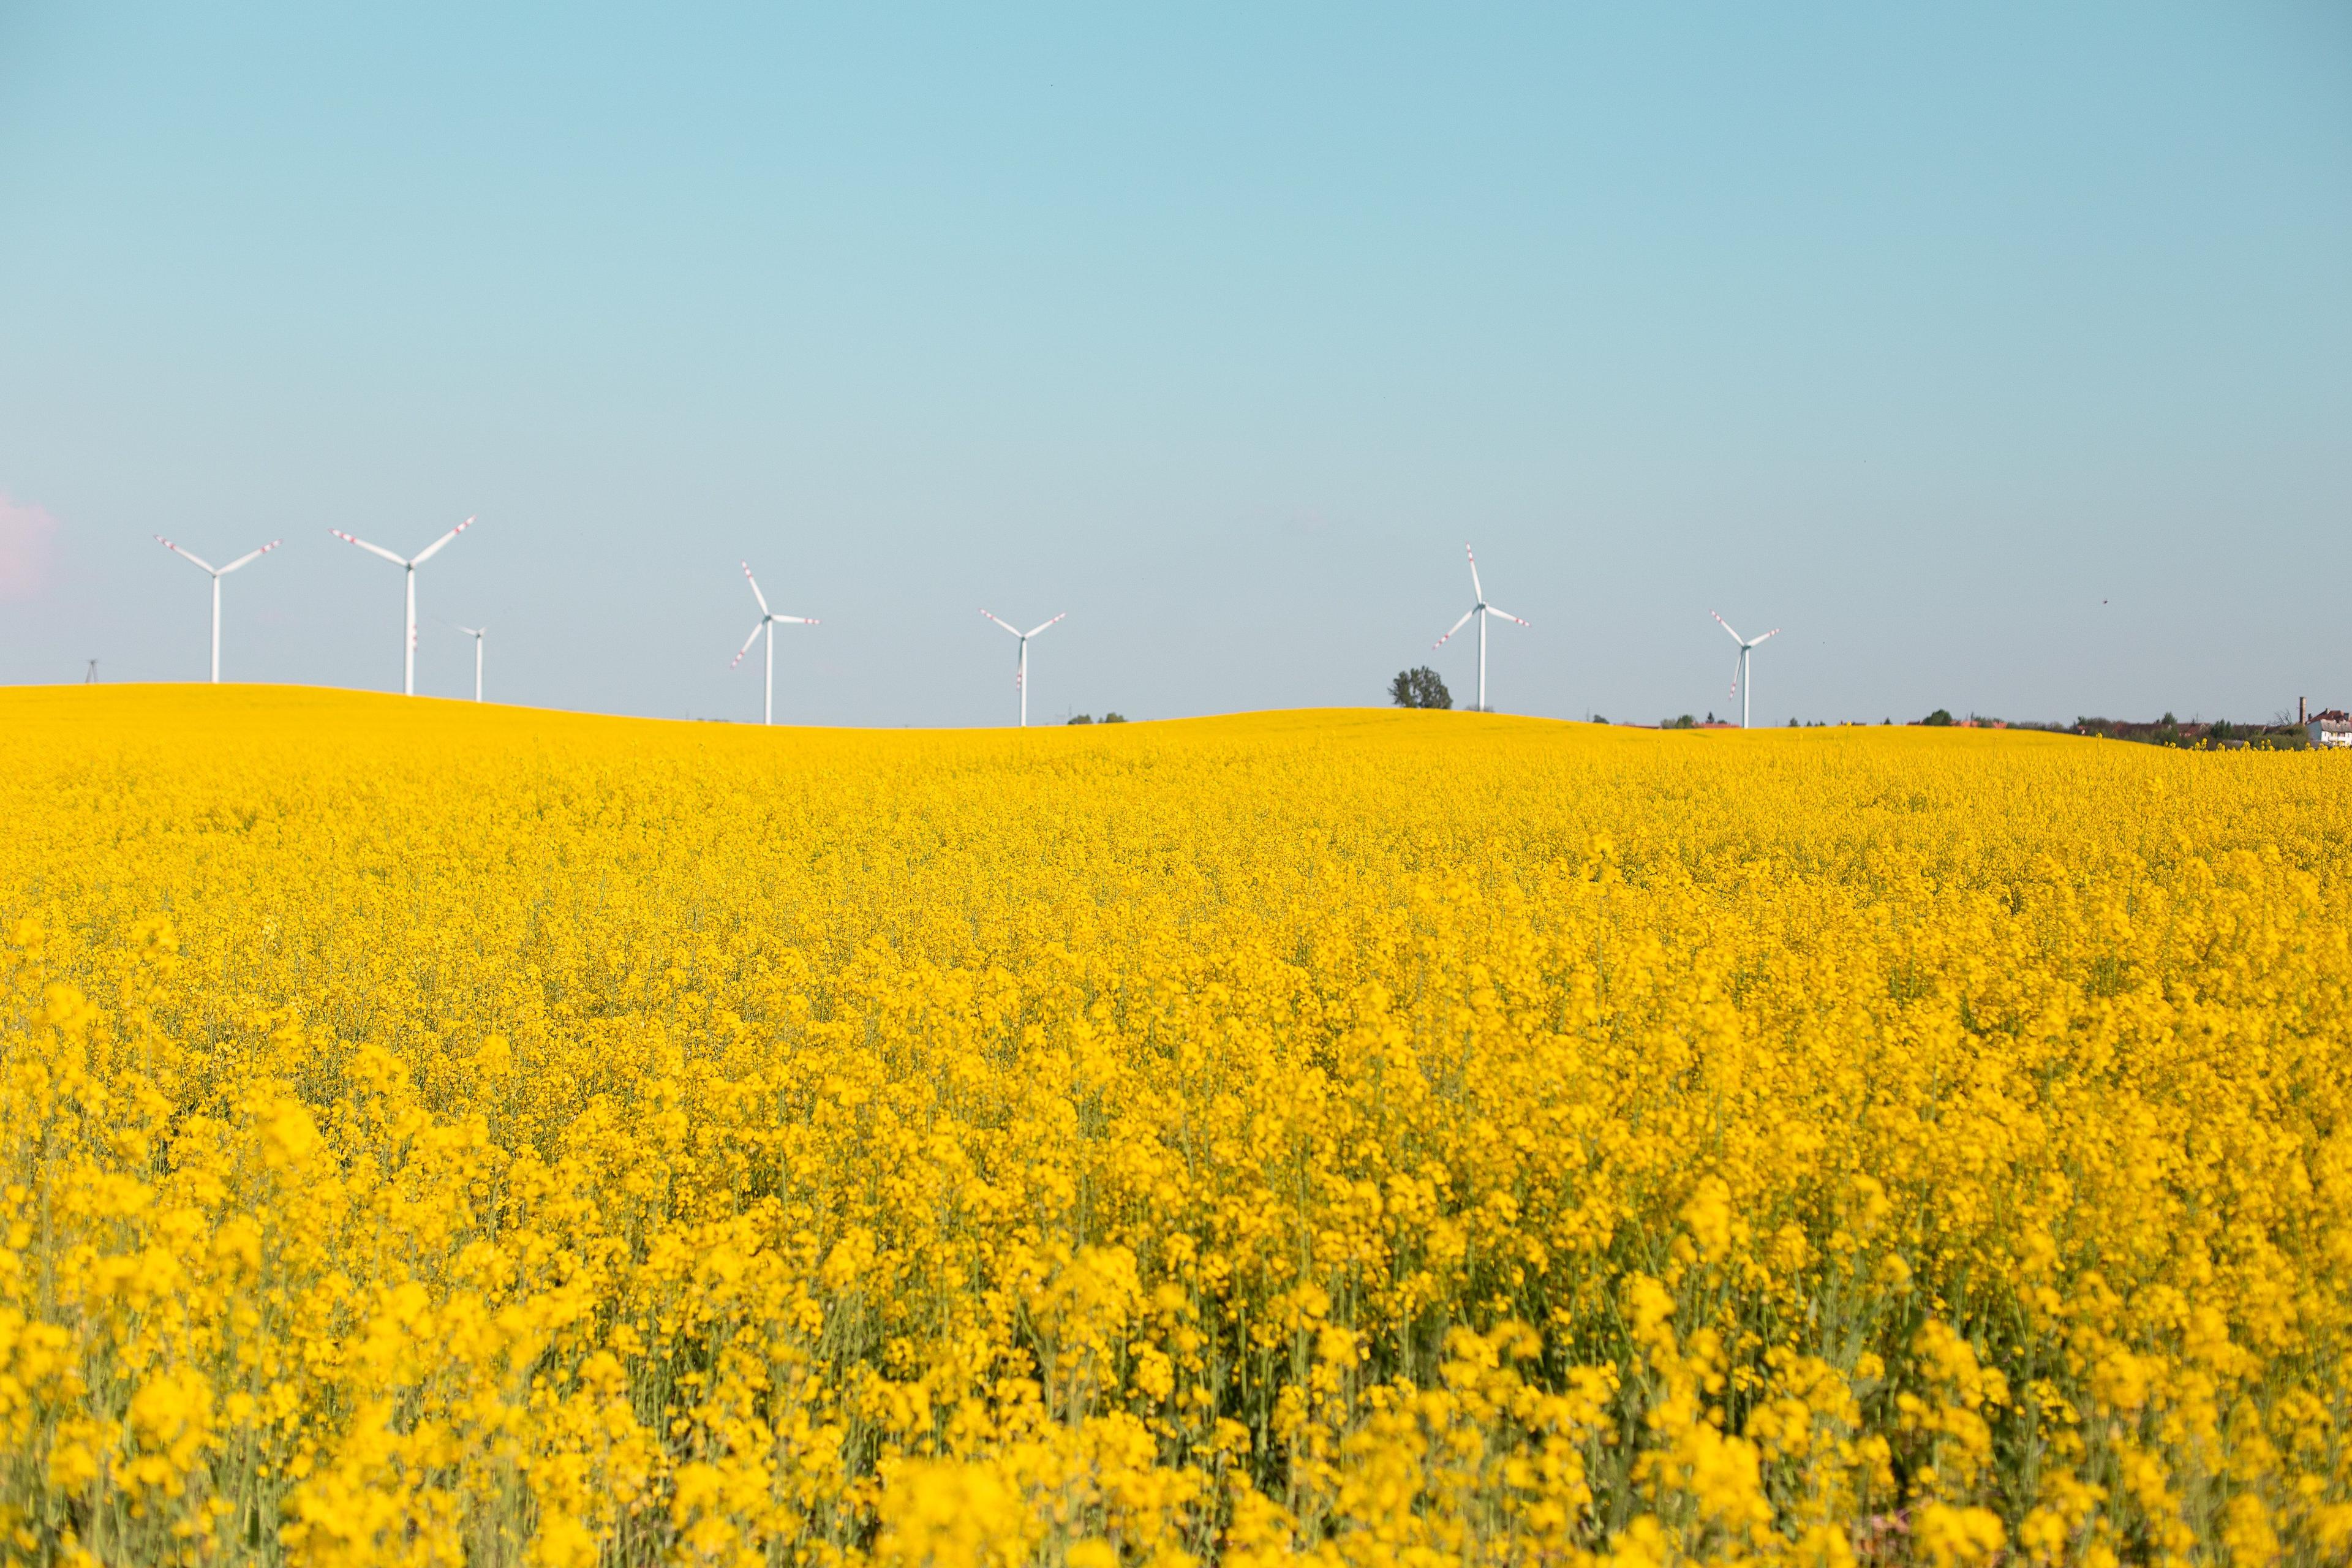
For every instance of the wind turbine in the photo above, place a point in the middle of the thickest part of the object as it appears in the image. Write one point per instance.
(767, 620)
(1020, 667)
(476, 633)
(1481, 609)
(1739, 672)
(408, 644)
(217, 574)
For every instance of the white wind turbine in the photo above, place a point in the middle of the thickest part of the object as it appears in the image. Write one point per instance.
(476, 633)
(217, 574)
(1481, 609)
(1020, 666)
(1739, 671)
(408, 567)
(768, 623)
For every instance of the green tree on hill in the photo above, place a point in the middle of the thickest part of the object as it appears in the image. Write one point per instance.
(1419, 687)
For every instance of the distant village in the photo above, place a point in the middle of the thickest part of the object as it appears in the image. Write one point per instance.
(2326, 727)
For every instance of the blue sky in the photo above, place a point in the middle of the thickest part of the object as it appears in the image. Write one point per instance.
(2003, 354)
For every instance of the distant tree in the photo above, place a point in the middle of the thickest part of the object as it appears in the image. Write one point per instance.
(1114, 718)
(1084, 719)
(1419, 687)
(1940, 718)
(1710, 715)
(1685, 723)
(1600, 718)
(1794, 725)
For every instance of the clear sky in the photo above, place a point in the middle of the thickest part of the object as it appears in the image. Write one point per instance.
(2000, 353)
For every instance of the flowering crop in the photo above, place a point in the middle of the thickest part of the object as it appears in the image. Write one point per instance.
(434, 1133)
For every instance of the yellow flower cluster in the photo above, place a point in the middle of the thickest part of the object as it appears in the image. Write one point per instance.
(432, 1134)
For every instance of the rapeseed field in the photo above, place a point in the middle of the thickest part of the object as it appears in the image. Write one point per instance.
(433, 1134)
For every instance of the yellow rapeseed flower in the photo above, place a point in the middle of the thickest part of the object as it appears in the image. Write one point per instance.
(432, 1134)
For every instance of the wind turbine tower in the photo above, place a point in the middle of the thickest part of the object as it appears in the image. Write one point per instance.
(1481, 609)
(217, 574)
(1739, 671)
(769, 621)
(476, 633)
(408, 567)
(1021, 665)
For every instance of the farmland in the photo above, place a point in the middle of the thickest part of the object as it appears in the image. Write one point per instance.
(433, 1132)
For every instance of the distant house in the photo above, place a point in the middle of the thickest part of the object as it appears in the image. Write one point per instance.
(2331, 727)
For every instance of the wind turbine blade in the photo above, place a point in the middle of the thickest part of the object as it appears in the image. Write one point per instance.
(186, 554)
(251, 556)
(471, 631)
(755, 587)
(1505, 614)
(795, 620)
(1456, 626)
(747, 644)
(427, 553)
(371, 548)
(1001, 621)
(1063, 615)
(1727, 627)
(1773, 633)
(1475, 587)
